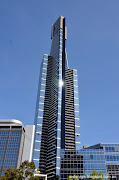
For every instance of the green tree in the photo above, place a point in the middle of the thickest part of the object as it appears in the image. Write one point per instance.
(10, 174)
(25, 172)
(76, 178)
(73, 178)
(96, 176)
(70, 178)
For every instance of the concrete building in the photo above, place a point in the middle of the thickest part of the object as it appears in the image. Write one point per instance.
(28, 143)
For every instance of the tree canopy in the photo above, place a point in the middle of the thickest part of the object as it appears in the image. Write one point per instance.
(25, 172)
(96, 175)
(73, 178)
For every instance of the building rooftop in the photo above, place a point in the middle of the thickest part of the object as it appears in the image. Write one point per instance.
(11, 121)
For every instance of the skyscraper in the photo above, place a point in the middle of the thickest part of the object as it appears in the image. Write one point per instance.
(57, 108)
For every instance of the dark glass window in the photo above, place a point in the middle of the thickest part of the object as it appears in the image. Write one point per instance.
(91, 156)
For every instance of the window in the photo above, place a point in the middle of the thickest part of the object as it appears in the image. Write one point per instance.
(91, 156)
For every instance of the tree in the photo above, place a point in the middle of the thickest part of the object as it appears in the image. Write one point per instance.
(25, 172)
(10, 174)
(73, 178)
(76, 178)
(96, 176)
(70, 178)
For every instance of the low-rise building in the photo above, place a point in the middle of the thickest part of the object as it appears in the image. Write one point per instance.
(16, 143)
(102, 157)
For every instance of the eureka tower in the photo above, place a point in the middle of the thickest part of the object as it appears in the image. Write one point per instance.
(57, 110)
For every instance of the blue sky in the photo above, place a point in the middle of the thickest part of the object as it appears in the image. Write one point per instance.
(92, 48)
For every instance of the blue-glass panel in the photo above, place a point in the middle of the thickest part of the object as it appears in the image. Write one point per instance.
(77, 130)
(37, 145)
(76, 108)
(42, 87)
(42, 93)
(77, 115)
(39, 128)
(91, 156)
(77, 145)
(58, 127)
(75, 94)
(75, 76)
(36, 163)
(76, 101)
(59, 109)
(45, 56)
(76, 82)
(45, 65)
(58, 145)
(58, 172)
(77, 137)
(12, 149)
(58, 162)
(77, 122)
(62, 156)
(40, 113)
(76, 88)
(36, 154)
(44, 75)
(39, 120)
(43, 81)
(3, 143)
(58, 150)
(58, 133)
(59, 106)
(41, 99)
(41, 106)
(38, 136)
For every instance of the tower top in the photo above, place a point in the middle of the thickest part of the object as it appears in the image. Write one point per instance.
(58, 25)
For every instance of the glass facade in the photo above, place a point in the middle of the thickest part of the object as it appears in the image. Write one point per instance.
(103, 157)
(11, 133)
(76, 110)
(39, 111)
(46, 104)
(3, 144)
(81, 163)
(56, 149)
(111, 153)
(52, 119)
(58, 136)
(12, 150)
(46, 97)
